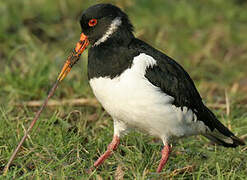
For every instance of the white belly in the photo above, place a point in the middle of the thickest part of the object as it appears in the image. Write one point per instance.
(131, 98)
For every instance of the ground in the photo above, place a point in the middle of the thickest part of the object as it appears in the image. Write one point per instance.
(207, 37)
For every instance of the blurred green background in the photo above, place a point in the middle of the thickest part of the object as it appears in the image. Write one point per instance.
(208, 38)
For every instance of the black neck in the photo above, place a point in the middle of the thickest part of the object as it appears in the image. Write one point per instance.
(112, 57)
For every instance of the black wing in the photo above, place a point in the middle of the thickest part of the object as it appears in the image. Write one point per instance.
(173, 80)
(170, 77)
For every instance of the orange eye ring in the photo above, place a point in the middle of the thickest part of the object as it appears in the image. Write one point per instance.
(92, 22)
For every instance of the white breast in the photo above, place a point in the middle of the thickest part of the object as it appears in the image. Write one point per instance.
(131, 98)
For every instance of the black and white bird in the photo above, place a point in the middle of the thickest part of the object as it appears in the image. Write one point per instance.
(142, 88)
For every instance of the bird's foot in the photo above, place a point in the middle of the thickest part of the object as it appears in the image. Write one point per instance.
(165, 155)
(111, 147)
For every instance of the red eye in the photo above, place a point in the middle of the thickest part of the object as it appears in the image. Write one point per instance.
(92, 22)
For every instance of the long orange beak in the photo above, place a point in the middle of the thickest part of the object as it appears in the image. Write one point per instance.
(74, 57)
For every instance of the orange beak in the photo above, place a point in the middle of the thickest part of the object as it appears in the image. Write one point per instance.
(74, 57)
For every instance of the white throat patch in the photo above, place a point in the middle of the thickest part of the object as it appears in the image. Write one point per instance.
(113, 27)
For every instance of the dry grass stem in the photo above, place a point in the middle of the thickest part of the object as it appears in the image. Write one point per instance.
(228, 110)
(189, 168)
(68, 102)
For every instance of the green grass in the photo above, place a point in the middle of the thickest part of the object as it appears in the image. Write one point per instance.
(207, 37)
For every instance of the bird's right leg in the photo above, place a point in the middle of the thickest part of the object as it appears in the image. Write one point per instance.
(111, 147)
(164, 156)
(119, 129)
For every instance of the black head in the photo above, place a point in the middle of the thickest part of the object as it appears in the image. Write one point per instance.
(102, 22)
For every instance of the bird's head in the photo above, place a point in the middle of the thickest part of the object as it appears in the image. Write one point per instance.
(100, 24)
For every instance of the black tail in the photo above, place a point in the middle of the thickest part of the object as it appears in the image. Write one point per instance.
(218, 132)
(234, 141)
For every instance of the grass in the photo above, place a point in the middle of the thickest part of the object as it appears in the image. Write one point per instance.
(207, 37)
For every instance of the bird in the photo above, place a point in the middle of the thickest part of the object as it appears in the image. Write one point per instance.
(141, 87)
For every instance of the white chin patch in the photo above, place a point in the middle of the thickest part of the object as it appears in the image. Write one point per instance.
(113, 27)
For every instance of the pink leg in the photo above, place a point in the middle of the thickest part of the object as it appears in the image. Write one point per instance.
(112, 146)
(165, 155)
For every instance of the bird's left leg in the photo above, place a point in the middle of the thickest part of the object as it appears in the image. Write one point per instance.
(164, 156)
(119, 129)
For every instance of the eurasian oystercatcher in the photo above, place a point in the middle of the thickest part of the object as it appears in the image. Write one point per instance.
(142, 88)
